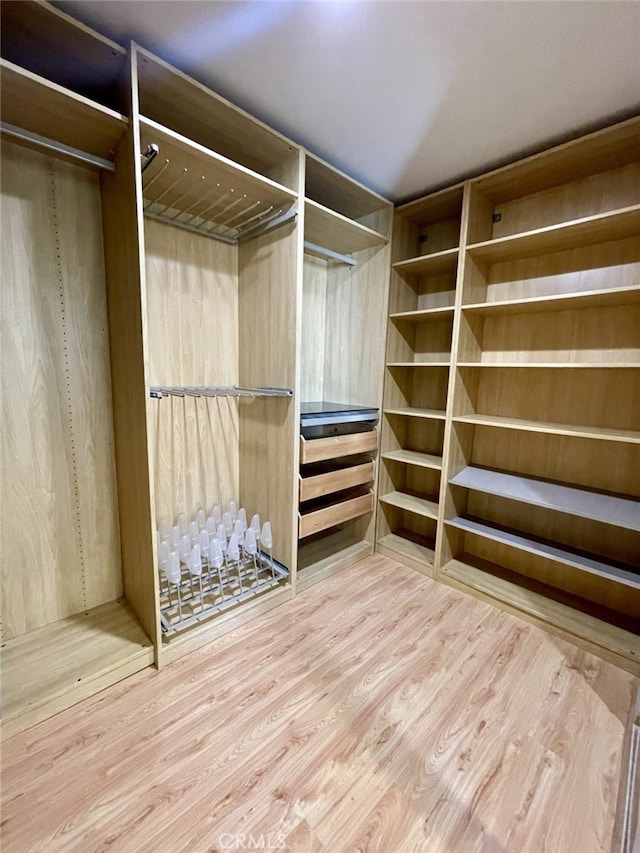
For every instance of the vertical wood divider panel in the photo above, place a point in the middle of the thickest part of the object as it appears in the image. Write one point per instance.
(449, 458)
(61, 545)
(269, 271)
(124, 257)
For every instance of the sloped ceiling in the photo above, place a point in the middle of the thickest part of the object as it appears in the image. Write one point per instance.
(404, 96)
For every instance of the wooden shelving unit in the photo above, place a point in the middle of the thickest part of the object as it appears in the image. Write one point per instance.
(534, 272)
(540, 511)
(422, 299)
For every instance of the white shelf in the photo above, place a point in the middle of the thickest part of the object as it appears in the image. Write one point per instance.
(579, 431)
(412, 457)
(548, 551)
(596, 506)
(412, 503)
(557, 302)
(409, 412)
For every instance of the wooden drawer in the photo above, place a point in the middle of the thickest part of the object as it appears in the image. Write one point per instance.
(334, 446)
(335, 480)
(328, 516)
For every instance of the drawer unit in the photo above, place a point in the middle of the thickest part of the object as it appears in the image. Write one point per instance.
(334, 446)
(334, 476)
(317, 518)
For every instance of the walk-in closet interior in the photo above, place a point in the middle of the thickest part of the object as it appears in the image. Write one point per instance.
(230, 370)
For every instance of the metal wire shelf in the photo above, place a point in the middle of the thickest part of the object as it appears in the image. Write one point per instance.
(160, 391)
(193, 188)
(191, 602)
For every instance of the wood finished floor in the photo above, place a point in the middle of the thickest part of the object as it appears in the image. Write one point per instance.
(380, 711)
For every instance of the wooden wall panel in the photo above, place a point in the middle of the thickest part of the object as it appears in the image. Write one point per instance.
(314, 310)
(60, 548)
(592, 335)
(268, 276)
(588, 197)
(560, 397)
(605, 265)
(192, 311)
(357, 300)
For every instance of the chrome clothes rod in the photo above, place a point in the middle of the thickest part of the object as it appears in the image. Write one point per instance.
(329, 253)
(160, 391)
(58, 147)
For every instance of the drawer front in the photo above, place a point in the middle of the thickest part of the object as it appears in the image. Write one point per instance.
(335, 481)
(334, 446)
(314, 522)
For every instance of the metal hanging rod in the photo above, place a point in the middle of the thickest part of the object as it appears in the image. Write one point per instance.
(160, 391)
(149, 156)
(329, 253)
(197, 203)
(58, 147)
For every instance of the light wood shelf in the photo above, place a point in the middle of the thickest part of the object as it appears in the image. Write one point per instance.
(48, 110)
(423, 265)
(427, 414)
(541, 605)
(403, 364)
(610, 509)
(425, 315)
(439, 206)
(579, 431)
(411, 457)
(549, 551)
(563, 365)
(612, 225)
(332, 189)
(412, 503)
(322, 556)
(558, 302)
(408, 545)
(53, 667)
(331, 230)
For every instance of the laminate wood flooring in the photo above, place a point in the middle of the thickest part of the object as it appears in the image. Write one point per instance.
(379, 711)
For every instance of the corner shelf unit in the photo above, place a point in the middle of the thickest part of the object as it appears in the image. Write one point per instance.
(539, 501)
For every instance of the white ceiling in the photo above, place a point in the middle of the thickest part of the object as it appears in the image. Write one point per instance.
(405, 96)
